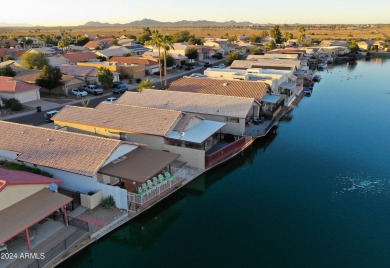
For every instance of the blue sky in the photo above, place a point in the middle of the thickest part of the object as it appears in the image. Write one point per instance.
(72, 12)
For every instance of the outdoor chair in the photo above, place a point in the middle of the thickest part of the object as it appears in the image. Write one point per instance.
(161, 178)
(150, 184)
(140, 190)
(167, 174)
(3, 247)
(155, 181)
(144, 187)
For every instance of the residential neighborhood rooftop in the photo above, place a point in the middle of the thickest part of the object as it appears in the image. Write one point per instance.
(245, 89)
(72, 152)
(9, 84)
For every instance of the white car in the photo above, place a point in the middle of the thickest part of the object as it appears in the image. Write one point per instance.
(79, 92)
(111, 100)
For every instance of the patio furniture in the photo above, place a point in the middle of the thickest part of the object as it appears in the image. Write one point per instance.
(3, 247)
(161, 178)
(167, 174)
(155, 181)
(140, 190)
(150, 184)
(144, 187)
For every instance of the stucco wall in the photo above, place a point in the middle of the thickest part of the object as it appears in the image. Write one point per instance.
(195, 158)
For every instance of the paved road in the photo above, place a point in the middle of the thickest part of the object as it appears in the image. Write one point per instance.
(37, 119)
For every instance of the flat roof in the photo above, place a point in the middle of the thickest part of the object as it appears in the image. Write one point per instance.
(288, 85)
(16, 218)
(198, 133)
(271, 98)
(139, 165)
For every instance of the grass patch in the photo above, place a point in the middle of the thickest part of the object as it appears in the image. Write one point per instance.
(15, 166)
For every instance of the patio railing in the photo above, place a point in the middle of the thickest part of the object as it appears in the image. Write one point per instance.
(225, 151)
(179, 174)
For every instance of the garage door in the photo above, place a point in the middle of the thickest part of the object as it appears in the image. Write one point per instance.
(26, 96)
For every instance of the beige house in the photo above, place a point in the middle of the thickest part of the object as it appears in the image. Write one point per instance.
(133, 71)
(187, 135)
(14, 89)
(233, 111)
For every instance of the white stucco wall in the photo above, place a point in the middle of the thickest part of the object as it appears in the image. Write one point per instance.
(195, 158)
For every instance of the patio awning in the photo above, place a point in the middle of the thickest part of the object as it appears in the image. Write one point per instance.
(288, 85)
(139, 165)
(271, 98)
(197, 133)
(16, 218)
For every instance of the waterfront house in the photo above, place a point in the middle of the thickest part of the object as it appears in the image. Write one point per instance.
(277, 64)
(235, 112)
(73, 158)
(11, 88)
(187, 135)
(25, 200)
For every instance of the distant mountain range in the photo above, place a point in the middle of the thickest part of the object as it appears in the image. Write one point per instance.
(149, 22)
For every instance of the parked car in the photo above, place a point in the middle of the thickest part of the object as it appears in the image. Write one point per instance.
(119, 88)
(116, 83)
(79, 92)
(111, 100)
(93, 89)
(217, 56)
(49, 115)
(207, 64)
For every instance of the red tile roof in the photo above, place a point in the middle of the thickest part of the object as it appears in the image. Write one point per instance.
(10, 41)
(245, 89)
(79, 56)
(9, 85)
(17, 177)
(134, 60)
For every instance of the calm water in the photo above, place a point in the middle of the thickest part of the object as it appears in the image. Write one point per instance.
(316, 194)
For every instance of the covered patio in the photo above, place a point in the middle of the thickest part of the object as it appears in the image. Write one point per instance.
(18, 218)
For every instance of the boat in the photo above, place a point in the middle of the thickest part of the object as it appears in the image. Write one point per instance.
(321, 66)
(317, 78)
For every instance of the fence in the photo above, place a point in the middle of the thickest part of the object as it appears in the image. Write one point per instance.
(178, 175)
(57, 249)
(225, 151)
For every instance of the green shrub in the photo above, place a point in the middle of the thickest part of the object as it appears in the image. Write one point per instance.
(138, 80)
(13, 104)
(15, 166)
(108, 202)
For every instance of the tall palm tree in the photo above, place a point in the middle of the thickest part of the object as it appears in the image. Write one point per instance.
(166, 43)
(156, 42)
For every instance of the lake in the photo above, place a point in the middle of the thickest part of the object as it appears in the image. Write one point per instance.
(314, 194)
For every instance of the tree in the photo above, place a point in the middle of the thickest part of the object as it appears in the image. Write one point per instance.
(288, 36)
(263, 34)
(191, 53)
(49, 77)
(156, 41)
(195, 41)
(28, 43)
(270, 46)
(8, 57)
(302, 36)
(276, 34)
(146, 84)
(254, 38)
(145, 36)
(82, 40)
(105, 77)
(182, 36)
(232, 56)
(354, 47)
(64, 43)
(114, 42)
(166, 43)
(34, 60)
(255, 49)
(7, 71)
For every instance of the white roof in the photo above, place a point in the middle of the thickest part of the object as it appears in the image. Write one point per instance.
(197, 133)
(190, 102)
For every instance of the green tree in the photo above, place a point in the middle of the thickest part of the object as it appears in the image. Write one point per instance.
(191, 53)
(270, 46)
(181, 36)
(195, 41)
(288, 36)
(254, 38)
(64, 43)
(105, 77)
(28, 43)
(255, 49)
(34, 60)
(156, 41)
(7, 71)
(263, 34)
(302, 36)
(8, 57)
(276, 34)
(145, 36)
(146, 84)
(82, 40)
(354, 47)
(232, 56)
(166, 43)
(114, 42)
(49, 77)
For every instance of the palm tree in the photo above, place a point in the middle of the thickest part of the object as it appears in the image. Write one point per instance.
(156, 42)
(166, 43)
